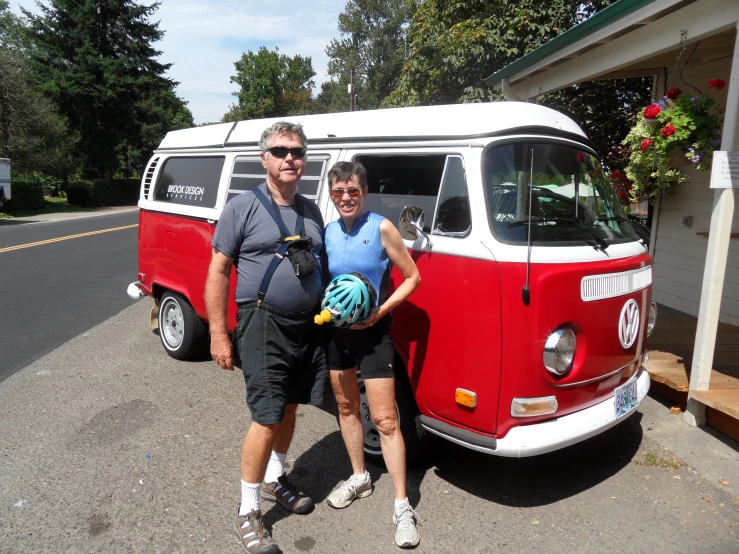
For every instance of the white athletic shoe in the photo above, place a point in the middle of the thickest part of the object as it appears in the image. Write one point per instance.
(406, 534)
(350, 490)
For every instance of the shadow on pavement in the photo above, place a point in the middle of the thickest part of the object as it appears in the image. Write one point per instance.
(539, 480)
(4, 221)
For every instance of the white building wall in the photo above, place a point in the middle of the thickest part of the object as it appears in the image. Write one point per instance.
(679, 253)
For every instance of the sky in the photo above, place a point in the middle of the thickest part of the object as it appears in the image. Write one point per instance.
(203, 39)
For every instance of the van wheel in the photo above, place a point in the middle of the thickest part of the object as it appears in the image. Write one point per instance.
(183, 333)
(409, 419)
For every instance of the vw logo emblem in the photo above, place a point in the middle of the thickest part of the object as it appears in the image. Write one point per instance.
(628, 324)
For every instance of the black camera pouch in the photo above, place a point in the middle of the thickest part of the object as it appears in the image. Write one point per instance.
(300, 254)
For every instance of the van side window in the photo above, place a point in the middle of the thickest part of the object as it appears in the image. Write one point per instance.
(453, 214)
(192, 181)
(248, 173)
(396, 181)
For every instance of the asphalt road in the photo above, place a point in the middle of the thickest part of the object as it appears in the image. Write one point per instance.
(109, 445)
(52, 292)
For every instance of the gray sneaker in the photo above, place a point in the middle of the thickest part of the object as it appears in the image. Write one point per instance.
(406, 535)
(350, 490)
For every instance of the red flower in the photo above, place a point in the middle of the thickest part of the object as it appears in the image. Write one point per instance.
(645, 144)
(629, 187)
(580, 157)
(668, 130)
(674, 93)
(614, 174)
(622, 194)
(717, 83)
(651, 111)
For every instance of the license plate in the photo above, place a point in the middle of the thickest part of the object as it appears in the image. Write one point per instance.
(625, 398)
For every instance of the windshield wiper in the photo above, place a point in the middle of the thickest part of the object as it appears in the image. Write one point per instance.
(614, 218)
(540, 219)
(600, 244)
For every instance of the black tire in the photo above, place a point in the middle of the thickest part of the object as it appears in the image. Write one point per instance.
(409, 418)
(184, 335)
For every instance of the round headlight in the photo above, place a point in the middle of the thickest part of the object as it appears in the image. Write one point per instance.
(559, 351)
(652, 318)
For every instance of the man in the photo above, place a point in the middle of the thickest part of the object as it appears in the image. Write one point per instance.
(278, 288)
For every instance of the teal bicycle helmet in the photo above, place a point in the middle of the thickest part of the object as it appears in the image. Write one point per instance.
(349, 298)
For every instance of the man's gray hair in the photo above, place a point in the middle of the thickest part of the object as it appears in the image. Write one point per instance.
(282, 128)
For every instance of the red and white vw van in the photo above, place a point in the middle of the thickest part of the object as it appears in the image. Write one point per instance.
(530, 328)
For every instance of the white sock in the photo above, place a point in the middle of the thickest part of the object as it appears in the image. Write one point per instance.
(401, 504)
(275, 468)
(249, 497)
(361, 477)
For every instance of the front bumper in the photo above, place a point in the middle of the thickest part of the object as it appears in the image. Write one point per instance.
(135, 292)
(540, 438)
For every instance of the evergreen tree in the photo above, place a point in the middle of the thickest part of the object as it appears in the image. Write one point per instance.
(32, 134)
(95, 60)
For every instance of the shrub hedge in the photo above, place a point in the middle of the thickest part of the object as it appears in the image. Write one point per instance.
(27, 194)
(101, 192)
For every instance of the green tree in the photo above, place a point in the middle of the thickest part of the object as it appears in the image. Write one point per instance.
(272, 85)
(373, 45)
(455, 45)
(95, 60)
(32, 134)
(156, 112)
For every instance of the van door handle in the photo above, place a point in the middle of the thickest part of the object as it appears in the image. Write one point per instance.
(212, 222)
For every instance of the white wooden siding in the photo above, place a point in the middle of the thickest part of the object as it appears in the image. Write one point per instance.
(679, 253)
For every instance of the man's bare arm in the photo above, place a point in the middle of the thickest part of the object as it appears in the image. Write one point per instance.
(216, 304)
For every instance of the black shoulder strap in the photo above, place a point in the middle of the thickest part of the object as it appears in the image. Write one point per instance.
(284, 240)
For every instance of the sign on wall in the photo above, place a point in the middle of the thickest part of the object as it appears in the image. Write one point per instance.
(725, 170)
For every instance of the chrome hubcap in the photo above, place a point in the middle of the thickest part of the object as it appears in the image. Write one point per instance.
(173, 326)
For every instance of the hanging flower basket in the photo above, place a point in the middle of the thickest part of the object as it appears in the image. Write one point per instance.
(678, 126)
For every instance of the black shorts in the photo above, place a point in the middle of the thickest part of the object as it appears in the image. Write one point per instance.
(370, 350)
(282, 357)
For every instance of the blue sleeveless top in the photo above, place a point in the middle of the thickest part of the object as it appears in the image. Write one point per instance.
(361, 251)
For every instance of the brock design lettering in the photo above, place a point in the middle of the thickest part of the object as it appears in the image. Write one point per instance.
(179, 191)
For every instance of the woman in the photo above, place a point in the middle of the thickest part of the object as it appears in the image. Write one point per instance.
(369, 244)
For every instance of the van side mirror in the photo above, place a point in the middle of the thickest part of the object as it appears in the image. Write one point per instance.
(410, 224)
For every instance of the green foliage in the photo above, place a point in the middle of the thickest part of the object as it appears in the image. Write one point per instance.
(373, 44)
(103, 192)
(95, 60)
(272, 85)
(28, 194)
(691, 123)
(604, 110)
(455, 45)
(32, 134)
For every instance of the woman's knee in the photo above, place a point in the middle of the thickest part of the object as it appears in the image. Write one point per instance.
(347, 406)
(386, 423)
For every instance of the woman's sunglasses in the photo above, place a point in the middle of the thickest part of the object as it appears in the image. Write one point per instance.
(282, 151)
(352, 192)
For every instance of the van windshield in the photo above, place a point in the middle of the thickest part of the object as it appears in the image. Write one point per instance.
(570, 200)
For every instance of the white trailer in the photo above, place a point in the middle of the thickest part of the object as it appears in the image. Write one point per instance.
(4, 180)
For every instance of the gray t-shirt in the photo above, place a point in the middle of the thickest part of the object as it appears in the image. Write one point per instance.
(248, 234)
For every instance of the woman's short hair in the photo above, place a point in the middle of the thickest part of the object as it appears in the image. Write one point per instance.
(282, 128)
(343, 171)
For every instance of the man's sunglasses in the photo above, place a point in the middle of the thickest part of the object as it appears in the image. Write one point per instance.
(352, 192)
(282, 151)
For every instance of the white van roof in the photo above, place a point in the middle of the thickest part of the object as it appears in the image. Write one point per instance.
(457, 121)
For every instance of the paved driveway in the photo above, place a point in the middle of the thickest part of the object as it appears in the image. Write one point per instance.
(108, 445)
